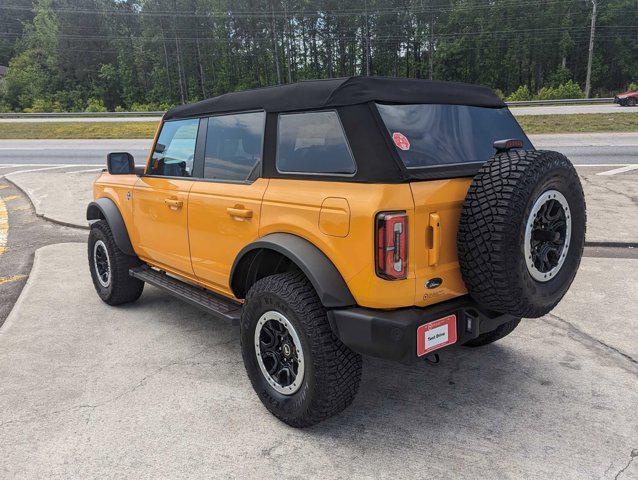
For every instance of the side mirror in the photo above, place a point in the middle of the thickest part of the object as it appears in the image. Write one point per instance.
(120, 163)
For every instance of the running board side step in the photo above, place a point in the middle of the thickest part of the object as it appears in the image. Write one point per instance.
(214, 304)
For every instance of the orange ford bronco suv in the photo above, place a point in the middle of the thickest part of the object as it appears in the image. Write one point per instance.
(335, 218)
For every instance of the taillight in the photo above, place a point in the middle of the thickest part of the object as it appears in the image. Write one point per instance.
(392, 245)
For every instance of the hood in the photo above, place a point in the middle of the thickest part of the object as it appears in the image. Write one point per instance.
(626, 94)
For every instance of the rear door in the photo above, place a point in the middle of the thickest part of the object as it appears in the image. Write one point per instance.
(437, 209)
(443, 141)
(224, 208)
(160, 198)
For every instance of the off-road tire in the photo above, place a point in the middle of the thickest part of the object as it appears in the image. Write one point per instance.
(491, 235)
(490, 337)
(122, 287)
(332, 371)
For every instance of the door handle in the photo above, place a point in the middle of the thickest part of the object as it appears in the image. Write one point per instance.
(240, 212)
(173, 203)
(435, 249)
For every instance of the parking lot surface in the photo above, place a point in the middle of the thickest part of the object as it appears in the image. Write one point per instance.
(157, 389)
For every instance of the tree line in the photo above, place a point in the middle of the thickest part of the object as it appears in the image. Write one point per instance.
(149, 54)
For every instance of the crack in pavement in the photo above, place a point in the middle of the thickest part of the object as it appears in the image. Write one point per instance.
(595, 184)
(587, 340)
(127, 391)
(633, 454)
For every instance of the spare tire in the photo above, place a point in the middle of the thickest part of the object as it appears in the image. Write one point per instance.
(522, 232)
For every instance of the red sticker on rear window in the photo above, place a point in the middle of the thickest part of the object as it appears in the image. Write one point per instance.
(401, 141)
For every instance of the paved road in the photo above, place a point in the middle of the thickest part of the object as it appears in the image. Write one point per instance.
(592, 148)
(571, 109)
(582, 149)
(68, 151)
(27, 233)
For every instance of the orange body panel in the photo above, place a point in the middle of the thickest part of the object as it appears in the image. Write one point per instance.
(293, 206)
(439, 202)
(223, 218)
(118, 188)
(160, 222)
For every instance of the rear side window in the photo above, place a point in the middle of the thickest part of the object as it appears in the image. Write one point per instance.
(313, 143)
(234, 146)
(175, 149)
(435, 135)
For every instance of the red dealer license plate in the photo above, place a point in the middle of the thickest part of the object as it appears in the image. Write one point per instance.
(434, 335)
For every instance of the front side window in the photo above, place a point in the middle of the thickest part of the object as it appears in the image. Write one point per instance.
(175, 149)
(435, 135)
(313, 142)
(234, 146)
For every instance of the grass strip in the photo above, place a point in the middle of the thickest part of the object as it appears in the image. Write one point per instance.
(578, 123)
(76, 130)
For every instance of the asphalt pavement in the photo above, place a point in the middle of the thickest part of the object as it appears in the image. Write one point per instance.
(582, 149)
(571, 109)
(74, 152)
(157, 389)
(26, 233)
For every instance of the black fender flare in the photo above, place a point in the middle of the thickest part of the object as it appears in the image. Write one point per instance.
(324, 276)
(106, 209)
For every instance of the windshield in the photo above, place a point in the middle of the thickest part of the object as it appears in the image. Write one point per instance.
(436, 135)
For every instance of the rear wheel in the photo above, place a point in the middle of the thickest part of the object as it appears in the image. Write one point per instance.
(631, 102)
(110, 266)
(300, 370)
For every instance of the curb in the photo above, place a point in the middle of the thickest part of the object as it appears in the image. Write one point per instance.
(35, 265)
(41, 215)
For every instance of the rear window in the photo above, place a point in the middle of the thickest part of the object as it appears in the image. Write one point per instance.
(438, 135)
(313, 142)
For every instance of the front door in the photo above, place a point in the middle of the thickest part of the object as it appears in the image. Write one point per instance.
(160, 198)
(224, 209)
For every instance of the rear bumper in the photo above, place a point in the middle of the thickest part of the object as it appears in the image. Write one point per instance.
(392, 334)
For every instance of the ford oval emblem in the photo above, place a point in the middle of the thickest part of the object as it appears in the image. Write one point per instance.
(433, 283)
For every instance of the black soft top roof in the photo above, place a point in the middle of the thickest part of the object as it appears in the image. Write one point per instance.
(339, 92)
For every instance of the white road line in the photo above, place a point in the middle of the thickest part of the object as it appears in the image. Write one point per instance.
(35, 170)
(626, 168)
(4, 227)
(2, 165)
(89, 170)
(600, 165)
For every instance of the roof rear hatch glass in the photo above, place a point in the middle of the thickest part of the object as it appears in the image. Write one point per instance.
(430, 136)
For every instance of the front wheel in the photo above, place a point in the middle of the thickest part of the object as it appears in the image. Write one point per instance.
(110, 267)
(300, 370)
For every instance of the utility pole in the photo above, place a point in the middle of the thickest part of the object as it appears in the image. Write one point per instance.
(431, 46)
(287, 46)
(367, 40)
(273, 31)
(594, 13)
